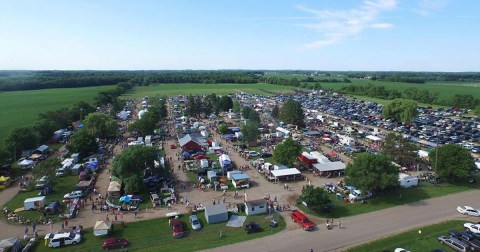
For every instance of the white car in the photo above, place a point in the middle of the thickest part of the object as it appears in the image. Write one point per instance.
(253, 154)
(195, 222)
(63, 239)
(468, 210)
(73, 195)
(400, 250)
(474, 228)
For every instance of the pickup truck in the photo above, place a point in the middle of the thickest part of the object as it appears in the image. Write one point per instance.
(302, 220)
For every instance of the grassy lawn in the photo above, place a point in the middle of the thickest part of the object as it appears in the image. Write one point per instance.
(155, 235)
(193, 88)
(21, 108)
(61, 186)
(392, 198)
(412, 240)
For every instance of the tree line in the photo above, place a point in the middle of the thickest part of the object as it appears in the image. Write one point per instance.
(420, 95)
(31, 80)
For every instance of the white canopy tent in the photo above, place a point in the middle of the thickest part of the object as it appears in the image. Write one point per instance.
(285, 173)
(373, 138)
(329, 166)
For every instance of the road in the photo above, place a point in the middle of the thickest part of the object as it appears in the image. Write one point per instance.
(363, 228)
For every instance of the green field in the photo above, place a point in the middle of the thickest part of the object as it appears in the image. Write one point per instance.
(412, 240)
(388, 199)
(155, 235)
(21, 108)
(194, 89)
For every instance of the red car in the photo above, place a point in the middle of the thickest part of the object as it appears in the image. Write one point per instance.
(198, 157)
(113, 243)
(173, 146)
(177, 228)
(302, 220)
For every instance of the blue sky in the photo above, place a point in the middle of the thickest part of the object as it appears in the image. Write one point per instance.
(403, 35)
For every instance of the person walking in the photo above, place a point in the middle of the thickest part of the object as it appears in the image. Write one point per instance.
(339, 224)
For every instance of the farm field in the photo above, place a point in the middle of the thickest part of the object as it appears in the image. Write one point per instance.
(412, 240)
(199, 88)
(21, 108)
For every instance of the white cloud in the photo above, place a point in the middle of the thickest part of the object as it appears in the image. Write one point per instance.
(337, 25)
(425, 7)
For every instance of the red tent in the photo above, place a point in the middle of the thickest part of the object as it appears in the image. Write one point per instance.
(332, 154)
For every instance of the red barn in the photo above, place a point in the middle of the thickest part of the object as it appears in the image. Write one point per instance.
(191, 143)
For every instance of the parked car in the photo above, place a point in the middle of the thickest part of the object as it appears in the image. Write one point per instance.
(155, 199)
(474, 228)
(467, 238)
(177, 228)
(266, 155)
(468, 210)
(113, 243)
(253, 154)
(52, 208)
(73, 195)
(42, 182)
(302, 220)
(173, 146)
(453, 243)
(401, 250)
(195, 222)
(63, 239)
(252, 227)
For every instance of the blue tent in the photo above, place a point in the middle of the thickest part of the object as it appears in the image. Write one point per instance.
(186, 154)
(126, 198)
(92, 165)
(227, 163)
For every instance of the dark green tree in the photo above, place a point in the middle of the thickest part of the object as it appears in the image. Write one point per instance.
(275, 112)
(130, 164)
(287, 152)
(250, 132)
(83, 143)
(44, 129)
(61, 117)
(237, 107)
(454, 162)
(146, 125)
(370, 172)
(225, 103)
(80, 110)
(401, 110)
(314, 197)
(20, 139)
(400, 150)
(48, 168)
(223, 129)
(101, 125)
(292, 113)
(5, 157)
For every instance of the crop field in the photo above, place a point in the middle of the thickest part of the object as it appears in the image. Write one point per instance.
(194, 89)
(21, 108)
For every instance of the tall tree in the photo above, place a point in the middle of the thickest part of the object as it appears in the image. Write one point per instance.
(130, 164)
(287, 152)
(400, 150)
(370, 172)
(401, 110)
(225, 103)
(20, 139)
(47, 167)
(275, 111)
(101, 125)
(83, 143)
(454, 162)
(314, 197)
(292, 113)
(237, 107)
(45, 129)
(250, 132)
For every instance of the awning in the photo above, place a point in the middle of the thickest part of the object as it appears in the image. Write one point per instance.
(373, 138)
(102, 225)
(126, 198)
(114, 186)
(329, 166)
(285, 172)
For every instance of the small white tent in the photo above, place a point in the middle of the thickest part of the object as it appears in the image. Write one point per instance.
(102, 228)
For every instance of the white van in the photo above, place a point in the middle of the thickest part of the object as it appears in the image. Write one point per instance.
(63, 239)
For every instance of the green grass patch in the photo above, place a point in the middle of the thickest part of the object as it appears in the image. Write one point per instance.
(21, 108)
(156, 235)
(392, 198)
(412, 240)
(194, 89)
(61, 186)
